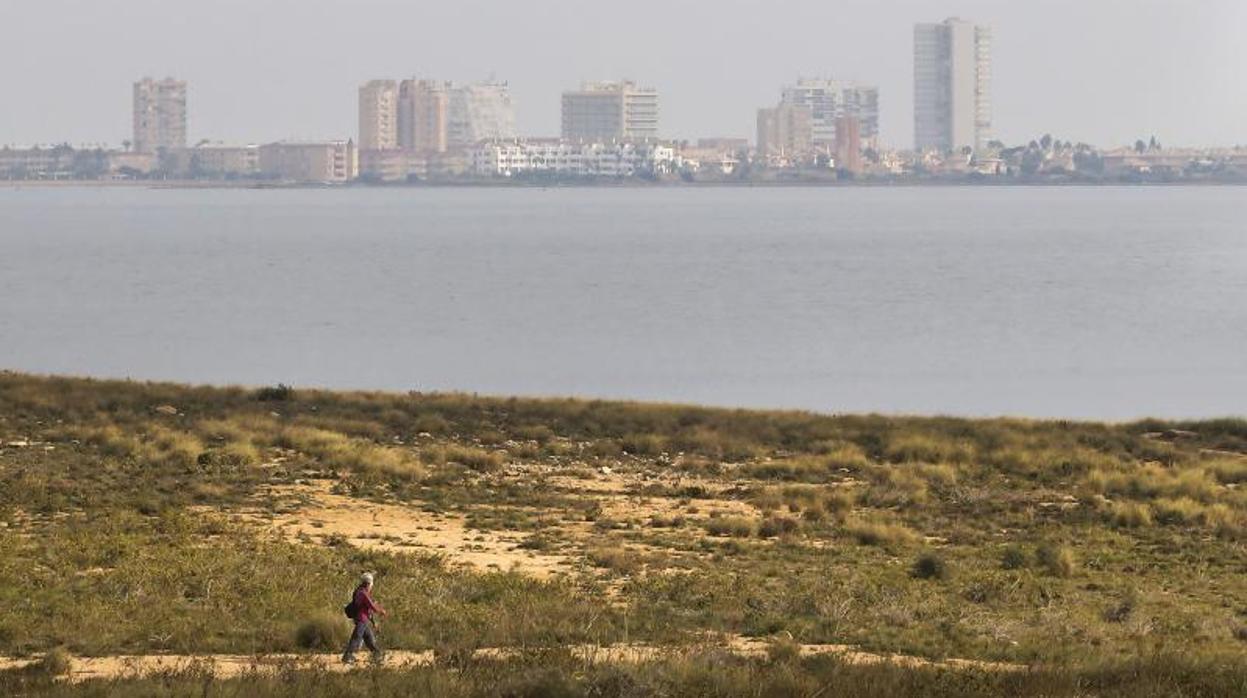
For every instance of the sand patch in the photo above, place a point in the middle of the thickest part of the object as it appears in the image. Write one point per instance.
(314, 513)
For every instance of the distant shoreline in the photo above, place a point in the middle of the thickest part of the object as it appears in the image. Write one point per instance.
(599, 184)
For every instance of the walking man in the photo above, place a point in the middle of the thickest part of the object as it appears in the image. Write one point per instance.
(364, 611)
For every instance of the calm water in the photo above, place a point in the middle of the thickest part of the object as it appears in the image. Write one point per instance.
(1096, 302)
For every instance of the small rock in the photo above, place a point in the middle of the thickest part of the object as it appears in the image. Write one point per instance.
(167, 409)
(605, 470)
(18, 444)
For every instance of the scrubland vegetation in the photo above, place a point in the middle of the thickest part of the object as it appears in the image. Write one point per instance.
(1111, 559)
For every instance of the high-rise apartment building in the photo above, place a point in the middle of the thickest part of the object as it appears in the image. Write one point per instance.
(478, 112)
(434, 116)
(829, 100)
(605, 111)
(159, 115)
(952, 85)
(378, 115)
(785, 131)
(423, 115)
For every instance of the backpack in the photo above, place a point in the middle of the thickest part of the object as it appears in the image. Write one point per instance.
(350, 609)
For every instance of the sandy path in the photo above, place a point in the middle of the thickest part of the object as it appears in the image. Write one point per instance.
(227, 665)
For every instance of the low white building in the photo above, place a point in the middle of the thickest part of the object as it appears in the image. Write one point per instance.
(559, 157)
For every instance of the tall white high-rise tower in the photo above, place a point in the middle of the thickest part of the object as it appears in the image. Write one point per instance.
(952, 85)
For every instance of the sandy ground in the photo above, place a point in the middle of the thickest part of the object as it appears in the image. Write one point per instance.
(314, 513)
(226, 666)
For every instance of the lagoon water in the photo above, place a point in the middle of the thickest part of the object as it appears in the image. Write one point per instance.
(1073, 302)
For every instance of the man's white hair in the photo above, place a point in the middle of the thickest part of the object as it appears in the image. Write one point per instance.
(366, 578)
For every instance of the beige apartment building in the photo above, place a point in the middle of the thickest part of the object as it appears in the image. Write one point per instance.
(321, 161)
(423, 115)
(785, 132)
(159, 115)
(378, 115)
(609, 111)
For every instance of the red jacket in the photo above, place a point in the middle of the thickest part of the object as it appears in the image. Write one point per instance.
(365, 607)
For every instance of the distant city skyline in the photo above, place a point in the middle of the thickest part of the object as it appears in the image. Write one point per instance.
(258, 72)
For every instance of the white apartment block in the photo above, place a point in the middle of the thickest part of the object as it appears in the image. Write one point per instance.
(378, 115)
(952, 86)
(571, 158)
(830, 100)
(159, 115)
(604, 111)
(479, 111)
(320, 161)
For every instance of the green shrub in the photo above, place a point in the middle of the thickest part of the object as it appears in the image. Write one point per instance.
(734, 526)
(1057, 560)
(930, 565)
(773, 526)
(1014, 557)
(1229, 471)
(1121, 611)
(643, 444)
(231, 455)
(540, 433)
(477, 459)
(877, 533)
(321, 632)
(672, 521)
(847, 456)
(913, 448)
(617, 559)
(275, 393)
(1132, 515)
(783, 649)
(55, 662)
(1183, 510)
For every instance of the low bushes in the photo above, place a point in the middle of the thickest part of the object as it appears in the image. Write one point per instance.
(617, 559)
(1014, 557)
(1056, 560)
(1132, 515)
(930, 565)
(734, 526)
(322, 632)
(880, 533)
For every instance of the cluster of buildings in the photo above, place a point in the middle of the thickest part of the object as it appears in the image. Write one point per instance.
(821, 121)
(424, 129)
(420, 129)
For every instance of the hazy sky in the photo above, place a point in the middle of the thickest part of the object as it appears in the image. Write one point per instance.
(1104, 71)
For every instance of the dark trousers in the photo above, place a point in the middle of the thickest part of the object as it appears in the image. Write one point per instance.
(363, 635)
